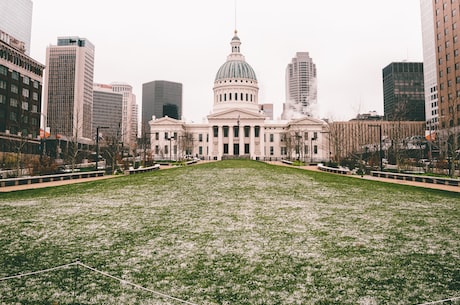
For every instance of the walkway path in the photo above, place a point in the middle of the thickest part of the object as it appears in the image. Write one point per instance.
(443, 187)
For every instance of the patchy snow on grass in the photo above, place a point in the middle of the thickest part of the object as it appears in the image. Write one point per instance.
(234, 232)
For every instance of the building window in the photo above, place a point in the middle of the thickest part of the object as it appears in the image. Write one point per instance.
(200, 150)
(272, 151)
(283, 151)
(272, 137)
(166, 136)
(226, 149)
(25, 92)
(25, 106)
(236, 96)
(247, 130)
(35, 84)
(14, 89)
(15, 75)
(35, 96)
(236, 149)
(13, 116)
(166, 149)
(26, 80)
(3, 70)
(315, 149)
(236, 130)
(225, 131)
(157, 136)
(2, 84)
(246, 148)
(215, 131)
(13, 102)
(34, 108)
(315, 135)
(157, 149)
(200, 137)
(257, 131)
(2, 99)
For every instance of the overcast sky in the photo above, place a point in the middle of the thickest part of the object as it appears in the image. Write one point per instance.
(186, 41)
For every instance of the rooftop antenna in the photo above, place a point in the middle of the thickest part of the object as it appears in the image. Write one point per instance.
(235, 16)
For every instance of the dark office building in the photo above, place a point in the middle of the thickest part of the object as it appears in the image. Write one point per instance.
(161, 98)
(107, 112)
(20, 89)
(403, 92)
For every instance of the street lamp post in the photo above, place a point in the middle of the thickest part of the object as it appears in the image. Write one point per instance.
(97, 144)
(380, 145)
(170, 152)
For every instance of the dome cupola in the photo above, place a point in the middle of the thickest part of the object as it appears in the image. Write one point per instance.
(235, 84)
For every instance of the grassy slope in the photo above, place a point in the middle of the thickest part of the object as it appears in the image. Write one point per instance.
(233, 232)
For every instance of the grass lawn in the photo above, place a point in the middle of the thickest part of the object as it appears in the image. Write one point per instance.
(231, 232)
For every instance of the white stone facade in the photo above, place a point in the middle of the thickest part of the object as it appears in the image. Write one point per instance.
(236, 128)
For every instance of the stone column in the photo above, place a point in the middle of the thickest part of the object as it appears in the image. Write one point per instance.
(241, 135)
(230, 140)
(220, 143)
(262, 141)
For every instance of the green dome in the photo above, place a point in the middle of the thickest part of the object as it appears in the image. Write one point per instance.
(235, 69)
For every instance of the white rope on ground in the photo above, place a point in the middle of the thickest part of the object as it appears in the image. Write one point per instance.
(134, 285)
(37, 272)
(441, 301)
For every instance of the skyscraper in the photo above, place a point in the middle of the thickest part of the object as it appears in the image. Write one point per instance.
(301, 87)
(161, 98)
(430, 66)
(68, 96)
(107, 111)
(441, 32)
(16, 20)
(20, 90)
(129, 113)
(403, 92)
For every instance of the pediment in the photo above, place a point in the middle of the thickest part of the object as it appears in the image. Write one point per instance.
(307, 121)
(165, 120)
(235, 114)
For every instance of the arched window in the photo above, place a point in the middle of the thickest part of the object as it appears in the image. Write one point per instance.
(236, 96)
(225, 97)
(241, 96)
(247, 97)
(229, 96)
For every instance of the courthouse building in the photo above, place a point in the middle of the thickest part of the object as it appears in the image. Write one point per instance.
(236, 127)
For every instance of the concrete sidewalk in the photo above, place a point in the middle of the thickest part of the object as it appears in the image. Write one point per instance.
(6, 189)
(443, 187)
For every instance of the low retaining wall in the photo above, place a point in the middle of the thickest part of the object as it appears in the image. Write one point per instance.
(417, 178)
(142, 170)
(342, 171)
(49, 178)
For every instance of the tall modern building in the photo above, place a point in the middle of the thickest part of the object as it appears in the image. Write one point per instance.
(430, 66)
(20, 90)
(301, 87)
(16, 20)
(441, 32)
(161, 98)
(107, 112)
(403, 92)
(68, 96)
(129, 113)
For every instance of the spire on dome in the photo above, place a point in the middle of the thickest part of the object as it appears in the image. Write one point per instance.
(235, 44)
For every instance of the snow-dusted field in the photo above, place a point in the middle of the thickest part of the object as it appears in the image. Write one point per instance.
(234, 232)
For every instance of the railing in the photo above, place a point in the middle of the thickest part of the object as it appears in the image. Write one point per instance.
(49, 178)
(140, 170)
(340, 170)
(417, 178)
